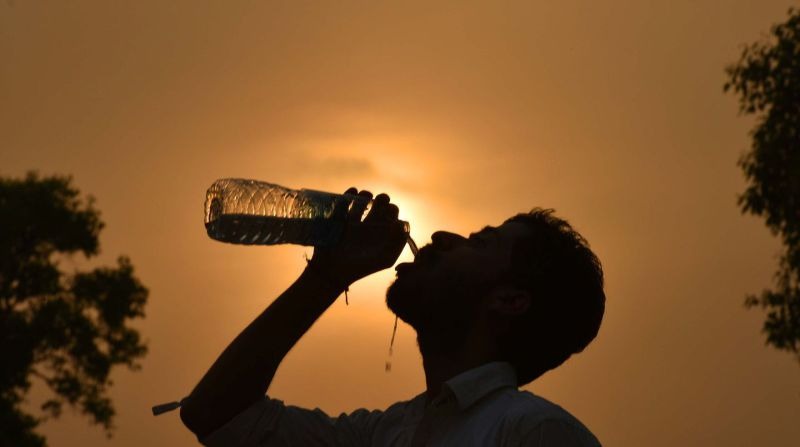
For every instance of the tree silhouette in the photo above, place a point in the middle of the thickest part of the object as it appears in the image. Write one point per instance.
(64, 329)
(767, 81)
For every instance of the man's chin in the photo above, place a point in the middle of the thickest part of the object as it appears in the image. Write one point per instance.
(400, 300)
(393, 295)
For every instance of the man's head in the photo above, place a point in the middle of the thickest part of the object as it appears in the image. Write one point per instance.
(532, 286)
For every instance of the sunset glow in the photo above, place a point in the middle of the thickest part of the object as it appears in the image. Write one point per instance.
(465, 113)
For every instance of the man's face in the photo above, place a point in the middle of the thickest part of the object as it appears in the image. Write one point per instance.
(445, 285)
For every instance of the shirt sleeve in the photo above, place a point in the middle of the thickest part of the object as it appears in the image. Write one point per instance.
(269, 423)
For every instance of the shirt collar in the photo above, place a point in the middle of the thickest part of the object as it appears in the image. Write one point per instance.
(471, 386)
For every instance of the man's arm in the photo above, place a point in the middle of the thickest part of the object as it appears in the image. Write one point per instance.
(243, 372)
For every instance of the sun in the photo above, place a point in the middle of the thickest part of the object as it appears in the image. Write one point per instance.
(395, 168)
(412, 210)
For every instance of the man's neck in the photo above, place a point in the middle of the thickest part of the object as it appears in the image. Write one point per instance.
(439, 370)
(441, 367)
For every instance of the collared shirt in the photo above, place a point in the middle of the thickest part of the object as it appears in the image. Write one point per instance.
(480, 407)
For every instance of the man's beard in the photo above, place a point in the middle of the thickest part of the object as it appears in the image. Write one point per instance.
(441, 313)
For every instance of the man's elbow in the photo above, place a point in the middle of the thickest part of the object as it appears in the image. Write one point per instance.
(195, 419)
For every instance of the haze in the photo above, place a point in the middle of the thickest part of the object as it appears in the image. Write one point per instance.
(465, 113)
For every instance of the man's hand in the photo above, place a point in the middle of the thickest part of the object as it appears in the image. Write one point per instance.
(366, 246)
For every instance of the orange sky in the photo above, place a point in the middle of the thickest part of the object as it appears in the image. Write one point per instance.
(610, 112)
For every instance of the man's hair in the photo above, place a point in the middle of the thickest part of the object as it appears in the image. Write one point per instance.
(565, 280)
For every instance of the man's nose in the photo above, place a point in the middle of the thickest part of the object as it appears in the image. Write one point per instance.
(445, 240)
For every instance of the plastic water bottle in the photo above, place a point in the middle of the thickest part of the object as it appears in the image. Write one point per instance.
(251, 212)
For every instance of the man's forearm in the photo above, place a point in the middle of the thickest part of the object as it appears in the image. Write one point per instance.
(243, 372)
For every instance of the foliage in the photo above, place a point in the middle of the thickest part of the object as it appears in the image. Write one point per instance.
(767, 81)
(66, 329)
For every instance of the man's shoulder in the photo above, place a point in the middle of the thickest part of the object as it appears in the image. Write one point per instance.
(401, 410)
(524, 402)
(526, 411)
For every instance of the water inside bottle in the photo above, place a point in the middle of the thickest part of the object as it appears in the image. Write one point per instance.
(265, 230)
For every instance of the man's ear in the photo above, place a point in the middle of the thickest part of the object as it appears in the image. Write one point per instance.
(509, 301)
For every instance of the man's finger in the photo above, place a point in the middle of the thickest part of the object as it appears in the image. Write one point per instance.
(386, 213)
(378, 208)
(392, 211)
(342, 204)
(358, 206)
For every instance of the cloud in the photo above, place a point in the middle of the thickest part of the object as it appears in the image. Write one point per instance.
(341, 167)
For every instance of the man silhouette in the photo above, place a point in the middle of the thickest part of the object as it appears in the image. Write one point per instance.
(492, 312)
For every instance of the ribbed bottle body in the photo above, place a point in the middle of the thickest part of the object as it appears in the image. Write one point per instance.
(251, 212)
